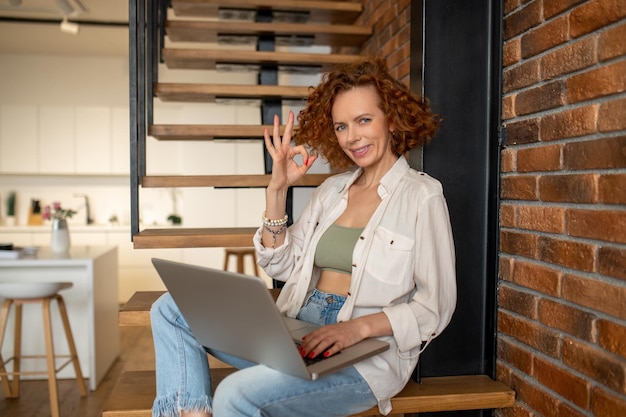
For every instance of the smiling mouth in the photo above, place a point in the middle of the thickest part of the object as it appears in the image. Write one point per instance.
(359, 151)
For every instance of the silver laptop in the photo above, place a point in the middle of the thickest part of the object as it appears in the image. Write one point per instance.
(236, 313)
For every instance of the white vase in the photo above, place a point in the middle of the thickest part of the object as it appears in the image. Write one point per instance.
(60, 239)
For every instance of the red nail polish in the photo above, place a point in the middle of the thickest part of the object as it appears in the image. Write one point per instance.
(311, 355)
(326, 354)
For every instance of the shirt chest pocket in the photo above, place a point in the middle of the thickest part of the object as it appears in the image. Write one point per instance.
(390, 256)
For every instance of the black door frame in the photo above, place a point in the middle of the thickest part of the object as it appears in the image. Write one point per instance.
(456, 48)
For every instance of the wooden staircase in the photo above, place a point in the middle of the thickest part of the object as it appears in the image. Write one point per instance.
(328, 22)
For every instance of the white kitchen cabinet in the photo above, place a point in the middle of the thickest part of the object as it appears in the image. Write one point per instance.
(64, 140)
(93, 140)
(18, 139)
(120, 141)
(57, 150)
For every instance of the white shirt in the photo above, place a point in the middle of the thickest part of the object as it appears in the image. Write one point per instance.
(403, 265)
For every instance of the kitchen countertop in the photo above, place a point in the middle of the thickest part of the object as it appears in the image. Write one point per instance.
(45, 257)
(73, 227)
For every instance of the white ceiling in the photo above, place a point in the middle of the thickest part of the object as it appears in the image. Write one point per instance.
(21, 37)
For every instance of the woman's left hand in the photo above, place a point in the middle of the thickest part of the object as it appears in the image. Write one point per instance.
(333, 338)
(330, 339)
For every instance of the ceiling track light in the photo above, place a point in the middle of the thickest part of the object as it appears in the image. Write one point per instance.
(69, 27)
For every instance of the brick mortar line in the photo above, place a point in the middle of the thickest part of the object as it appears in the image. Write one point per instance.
(569, 106)
(606, 171)
(565, 205)
(599, 207)
(562, 301)
(556, 48)
(542, 82)
(565, 141)
(571, 238)
(598, 101)
(594, 275)
(570, 38)
(616, 95)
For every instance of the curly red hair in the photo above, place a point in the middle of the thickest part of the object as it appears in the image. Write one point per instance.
(414, 123)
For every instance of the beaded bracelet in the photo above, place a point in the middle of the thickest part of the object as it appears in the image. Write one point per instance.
(275, 232)
(274, 222)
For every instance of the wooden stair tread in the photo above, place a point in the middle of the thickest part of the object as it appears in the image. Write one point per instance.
(326, 11)
(179, 237)
(135, 391)
(225, 181)
(320, 34)
(209, 58)
(203, 93)
(136, 311)
(208, 132)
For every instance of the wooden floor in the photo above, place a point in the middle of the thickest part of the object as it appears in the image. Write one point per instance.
(137, 354)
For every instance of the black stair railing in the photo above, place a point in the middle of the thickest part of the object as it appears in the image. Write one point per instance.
(137, 65)
(146, 40)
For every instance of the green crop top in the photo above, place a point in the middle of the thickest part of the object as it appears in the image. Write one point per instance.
(334, 250)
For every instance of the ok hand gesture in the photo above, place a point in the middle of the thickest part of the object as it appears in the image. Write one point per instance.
(285, 171)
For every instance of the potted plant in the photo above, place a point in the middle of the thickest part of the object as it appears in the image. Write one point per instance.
(175, 219)
(10, 220)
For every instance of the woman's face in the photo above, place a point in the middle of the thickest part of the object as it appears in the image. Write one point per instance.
(361, 128)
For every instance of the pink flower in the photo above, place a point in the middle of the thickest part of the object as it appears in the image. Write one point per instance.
(59, 213)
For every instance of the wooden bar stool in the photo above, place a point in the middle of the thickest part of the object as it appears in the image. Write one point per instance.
(17, 294)
(240, 254)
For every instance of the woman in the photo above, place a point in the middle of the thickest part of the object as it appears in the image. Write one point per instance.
(371, 255)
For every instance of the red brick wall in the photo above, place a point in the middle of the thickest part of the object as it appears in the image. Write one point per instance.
(562, 288)
(391, 22)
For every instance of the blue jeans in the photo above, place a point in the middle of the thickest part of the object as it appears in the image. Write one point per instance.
(184, 380)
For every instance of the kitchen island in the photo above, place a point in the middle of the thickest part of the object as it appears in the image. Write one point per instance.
(92, 306)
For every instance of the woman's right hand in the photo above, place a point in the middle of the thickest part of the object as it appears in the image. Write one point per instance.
(285, 171)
